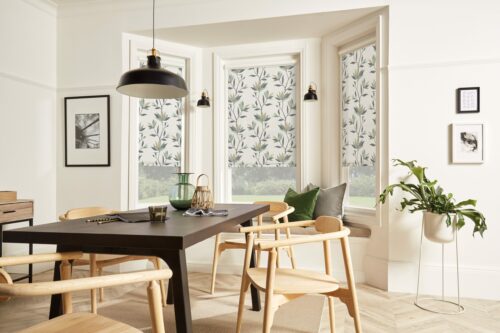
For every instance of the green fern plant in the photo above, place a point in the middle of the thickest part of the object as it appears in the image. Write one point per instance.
(427, 196)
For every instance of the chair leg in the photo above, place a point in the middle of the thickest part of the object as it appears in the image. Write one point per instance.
(331, 313)
(245, 283)
(217, 252)
(268, 307)
(290, 248)
(157, 264)
(66, 297)
(93, 292)
(155, 307)
(346, 253)
(101, 290)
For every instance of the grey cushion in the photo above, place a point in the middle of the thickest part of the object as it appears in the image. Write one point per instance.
(330, 201)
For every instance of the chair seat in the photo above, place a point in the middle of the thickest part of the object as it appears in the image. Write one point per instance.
(81, 323)
(294, 281)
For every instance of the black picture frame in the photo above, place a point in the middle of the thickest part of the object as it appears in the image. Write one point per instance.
(69, 134)
(463, 106)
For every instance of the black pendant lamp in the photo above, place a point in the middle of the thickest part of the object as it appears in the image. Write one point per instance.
(204, 101)
(152, 81)
(311, 95)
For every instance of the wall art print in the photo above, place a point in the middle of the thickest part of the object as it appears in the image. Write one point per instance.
(87, 131)
(262, 116)
(160, 128)
(467, 143)
(358, 102)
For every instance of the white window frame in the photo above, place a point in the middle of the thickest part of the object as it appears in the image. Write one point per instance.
(373, 27)
(247, 56)
(173, 54)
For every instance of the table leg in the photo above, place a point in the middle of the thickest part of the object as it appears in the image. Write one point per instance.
(30, 266)
(170, 293)
(56, 300)
(176, 261)
(255, 293)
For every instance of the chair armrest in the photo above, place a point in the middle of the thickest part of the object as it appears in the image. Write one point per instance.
(265, 245)
(283, 214)
(38, 258)
(65, 286)
(277, 226)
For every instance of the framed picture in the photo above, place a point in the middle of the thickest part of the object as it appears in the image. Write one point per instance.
(468, 100)
(467, 143)
(86, 131)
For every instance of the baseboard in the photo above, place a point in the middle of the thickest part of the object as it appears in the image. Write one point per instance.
(475, 281)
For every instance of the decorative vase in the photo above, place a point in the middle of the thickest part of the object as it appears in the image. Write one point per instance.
(436, 229)
(181, 194)
(202, 198)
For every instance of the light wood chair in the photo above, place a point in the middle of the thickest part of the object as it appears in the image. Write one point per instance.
(281, 285)
(97, 262)
(277, 211)
(83, 322)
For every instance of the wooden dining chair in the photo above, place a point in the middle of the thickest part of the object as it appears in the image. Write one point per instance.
(277, 211)
(97, 262)
(282, 285)
(83, 322)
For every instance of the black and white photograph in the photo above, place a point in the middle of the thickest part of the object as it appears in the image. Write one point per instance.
(467, 143)
(87, 130)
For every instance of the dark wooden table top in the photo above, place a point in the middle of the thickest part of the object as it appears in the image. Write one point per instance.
(178, 232)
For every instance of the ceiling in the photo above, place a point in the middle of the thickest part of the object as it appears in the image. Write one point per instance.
(260, 30)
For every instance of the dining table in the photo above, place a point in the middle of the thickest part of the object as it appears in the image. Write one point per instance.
(167, 240)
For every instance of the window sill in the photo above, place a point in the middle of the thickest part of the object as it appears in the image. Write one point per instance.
(360, 215)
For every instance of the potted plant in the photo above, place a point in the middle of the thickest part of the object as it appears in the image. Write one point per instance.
(442, 215)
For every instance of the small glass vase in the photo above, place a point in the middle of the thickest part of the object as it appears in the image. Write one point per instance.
(181, 194)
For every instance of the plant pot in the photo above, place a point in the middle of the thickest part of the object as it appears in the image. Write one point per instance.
(436, 229)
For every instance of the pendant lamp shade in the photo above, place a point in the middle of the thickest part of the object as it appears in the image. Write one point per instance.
(152, 81)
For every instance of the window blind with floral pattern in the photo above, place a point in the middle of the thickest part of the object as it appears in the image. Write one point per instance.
(262, 116)
(160, 128)
(358, 102)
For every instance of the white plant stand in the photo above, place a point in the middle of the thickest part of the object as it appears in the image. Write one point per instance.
(418, 300)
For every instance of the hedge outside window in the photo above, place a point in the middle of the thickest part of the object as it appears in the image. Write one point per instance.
(262, 131)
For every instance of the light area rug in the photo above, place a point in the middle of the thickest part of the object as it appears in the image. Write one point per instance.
(211, 313)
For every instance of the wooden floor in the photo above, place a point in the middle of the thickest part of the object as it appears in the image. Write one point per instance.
(381, 312)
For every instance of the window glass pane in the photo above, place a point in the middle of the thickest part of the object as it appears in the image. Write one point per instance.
(361, 184)
(262, 139)
(251, 184)
(159, 144)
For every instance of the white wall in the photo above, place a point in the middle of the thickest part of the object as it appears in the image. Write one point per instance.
(435, 47)
(27, 107)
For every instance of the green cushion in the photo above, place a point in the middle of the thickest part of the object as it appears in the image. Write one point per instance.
(303, 203)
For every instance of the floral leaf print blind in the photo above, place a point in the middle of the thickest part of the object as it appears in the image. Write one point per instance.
(262, 116)
(359, 113)
(160, 128)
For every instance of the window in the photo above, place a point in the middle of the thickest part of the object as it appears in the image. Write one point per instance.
(359, 123)
(261, 111)
(159, 141)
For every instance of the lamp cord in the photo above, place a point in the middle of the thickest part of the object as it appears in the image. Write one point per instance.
(154, 24)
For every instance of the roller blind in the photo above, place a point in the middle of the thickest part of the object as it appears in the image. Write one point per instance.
(261, 116)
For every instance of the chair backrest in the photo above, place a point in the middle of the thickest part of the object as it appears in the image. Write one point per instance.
(274, 206)
(326, 224)
(79, 213)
